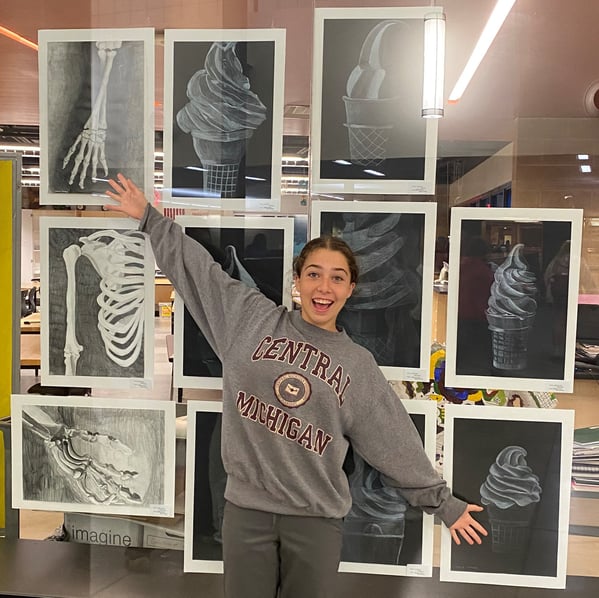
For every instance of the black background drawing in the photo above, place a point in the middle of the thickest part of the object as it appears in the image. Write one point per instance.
(342, 43)
(265, 267)
(397, 328)
(257, 59)
(477, 442)
(547, 338)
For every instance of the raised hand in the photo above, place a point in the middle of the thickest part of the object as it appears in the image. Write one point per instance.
(130, 199)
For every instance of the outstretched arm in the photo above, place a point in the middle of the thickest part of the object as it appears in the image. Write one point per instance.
(468, 527)
(130, 199)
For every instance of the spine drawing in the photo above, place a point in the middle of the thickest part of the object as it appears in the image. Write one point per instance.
(119, 260)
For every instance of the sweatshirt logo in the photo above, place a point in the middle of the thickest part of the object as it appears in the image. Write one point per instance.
(292, 390)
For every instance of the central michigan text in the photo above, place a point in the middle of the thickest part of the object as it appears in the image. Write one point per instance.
(279, 422)
(307, 358)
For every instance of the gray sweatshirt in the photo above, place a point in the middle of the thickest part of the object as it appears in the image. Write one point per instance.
(294, 396)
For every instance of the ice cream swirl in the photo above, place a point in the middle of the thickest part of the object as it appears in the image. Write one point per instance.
(510, 481)
(371, 497)
(513, 291)
(221, 105)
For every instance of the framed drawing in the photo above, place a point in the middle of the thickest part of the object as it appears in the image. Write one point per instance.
(383, 534)
(86, 455)
(257, 250)
(97, 303)
(512, 298)
(223, 118)
(389, 312)
(515, 463)
(368, 135)
(204, 489)
(96, 89)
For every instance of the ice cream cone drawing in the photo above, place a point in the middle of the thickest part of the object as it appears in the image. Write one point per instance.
(511, 311)
(221, 116)
(369, 113)
(510, 494)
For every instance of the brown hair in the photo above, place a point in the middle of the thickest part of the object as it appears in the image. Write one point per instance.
(333, 244)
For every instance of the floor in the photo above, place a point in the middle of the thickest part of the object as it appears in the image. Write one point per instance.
(583, 549)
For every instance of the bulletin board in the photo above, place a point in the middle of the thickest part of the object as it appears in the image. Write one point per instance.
(10, 218)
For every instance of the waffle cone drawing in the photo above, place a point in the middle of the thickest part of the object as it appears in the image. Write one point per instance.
(221, 161)
(510, 528)
(369, 125)
(509, 336)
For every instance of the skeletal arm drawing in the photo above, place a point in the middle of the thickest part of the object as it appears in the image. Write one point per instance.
(101, 483)
(119, 259)
(90, 143)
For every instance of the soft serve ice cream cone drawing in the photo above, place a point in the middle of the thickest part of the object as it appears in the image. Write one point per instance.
(221, 115)
(370, 112)
(510, 493)
(511, 311)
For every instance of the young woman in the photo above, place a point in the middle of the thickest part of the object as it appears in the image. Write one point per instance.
(297, 392)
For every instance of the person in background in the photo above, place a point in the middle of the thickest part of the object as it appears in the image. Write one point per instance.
(296, 392)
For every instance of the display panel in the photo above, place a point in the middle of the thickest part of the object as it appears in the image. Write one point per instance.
(97, 303)
(368, 135)
(517, 465)
(80, 454)
(512, 298)
(96, 89)
(382, 534)
(255, 250)
(389, 311)
(223, 117)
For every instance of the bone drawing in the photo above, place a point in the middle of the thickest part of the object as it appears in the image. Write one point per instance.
(89, 478)
(89, 146)
(118, 257)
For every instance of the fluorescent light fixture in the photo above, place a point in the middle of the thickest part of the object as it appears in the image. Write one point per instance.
(253, 178)
(496, 20)
(373, 172)
(585, 168)
(434, 65)
(195, 168)
(342, 162)
(582, 156)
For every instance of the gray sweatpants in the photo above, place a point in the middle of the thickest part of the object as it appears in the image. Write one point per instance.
(265, 552)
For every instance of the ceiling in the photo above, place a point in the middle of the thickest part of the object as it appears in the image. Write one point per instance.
(540, 65)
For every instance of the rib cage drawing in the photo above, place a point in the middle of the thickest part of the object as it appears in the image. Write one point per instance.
(118, 258)
(383, 312)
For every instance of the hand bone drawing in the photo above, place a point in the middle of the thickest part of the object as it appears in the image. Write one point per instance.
(90, 479)
(90, 143)
(118, 257)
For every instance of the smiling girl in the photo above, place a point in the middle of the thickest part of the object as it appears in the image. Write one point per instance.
(297, 391)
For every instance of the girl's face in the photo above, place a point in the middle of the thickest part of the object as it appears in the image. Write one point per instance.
(324, 285)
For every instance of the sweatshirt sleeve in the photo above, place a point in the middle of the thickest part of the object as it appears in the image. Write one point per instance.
(383, 433)
(216, 301)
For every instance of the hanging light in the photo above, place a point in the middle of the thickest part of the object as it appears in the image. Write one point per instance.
(434, 65)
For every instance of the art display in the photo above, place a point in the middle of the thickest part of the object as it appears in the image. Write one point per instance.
(223, 117)
(513, 298)
(96, 89)
(97, 303)
(368, 134)
(382, 533)
(107, 456)
(517, 465)
(256, 250)
(389, 312)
